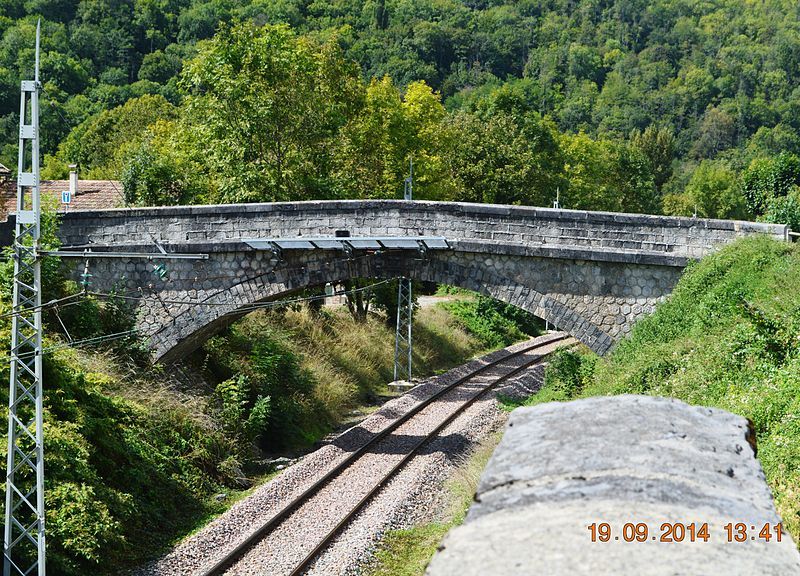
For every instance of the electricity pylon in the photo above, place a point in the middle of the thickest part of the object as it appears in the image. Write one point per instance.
(23, 545)
(402, 336)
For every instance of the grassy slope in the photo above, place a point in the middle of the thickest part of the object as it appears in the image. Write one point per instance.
(727, 337)
(348, 363)
(171, 441)
(337, 349)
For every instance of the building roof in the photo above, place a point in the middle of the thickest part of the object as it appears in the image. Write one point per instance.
(91, 195)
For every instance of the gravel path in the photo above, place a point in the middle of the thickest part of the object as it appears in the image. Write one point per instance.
(408, 495)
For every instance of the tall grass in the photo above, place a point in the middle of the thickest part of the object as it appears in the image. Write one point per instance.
(344, 363)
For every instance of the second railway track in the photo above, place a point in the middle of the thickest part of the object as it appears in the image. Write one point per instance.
(290, 540)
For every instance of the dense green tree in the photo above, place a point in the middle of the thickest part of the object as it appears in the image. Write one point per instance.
(784, 210)
(715, 133)
(503, 158)
(98, 144)
(607, 175)
(658, 145)
(159, 171)
(712, 192)
(773, 141)
(265, 105)
(159, 66)
(716, 74)
(373, 152)
(768, 178)
(201, 19)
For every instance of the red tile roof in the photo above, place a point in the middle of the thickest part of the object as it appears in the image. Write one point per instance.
(91, 195)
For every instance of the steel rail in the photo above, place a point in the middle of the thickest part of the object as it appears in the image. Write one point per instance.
(259, 533)
(311, 556)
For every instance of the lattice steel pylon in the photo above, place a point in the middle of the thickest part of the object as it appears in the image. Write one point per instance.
(405, 310)
(402, 337)
(24, 542)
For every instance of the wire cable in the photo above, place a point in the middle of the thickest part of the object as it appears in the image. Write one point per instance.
(351, 259)
(42, 307)
(95, 340)
(255, 305)
(139, 289)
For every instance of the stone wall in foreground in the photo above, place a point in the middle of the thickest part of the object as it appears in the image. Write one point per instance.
(561, 467)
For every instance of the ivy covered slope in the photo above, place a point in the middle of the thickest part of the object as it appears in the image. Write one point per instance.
(728, 336)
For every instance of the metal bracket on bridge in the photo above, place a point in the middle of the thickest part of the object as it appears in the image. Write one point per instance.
(422, 248)
(88, 253)
(348, 249)
(349, 244)
(277, 254)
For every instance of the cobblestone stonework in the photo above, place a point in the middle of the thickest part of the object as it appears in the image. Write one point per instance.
(592, 274)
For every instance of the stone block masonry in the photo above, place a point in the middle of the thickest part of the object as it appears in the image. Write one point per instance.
(592, 274)
(639, 460)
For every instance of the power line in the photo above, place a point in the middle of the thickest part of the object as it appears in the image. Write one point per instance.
(140, 289)
(100, 339)
(253, 306)
(42, 307)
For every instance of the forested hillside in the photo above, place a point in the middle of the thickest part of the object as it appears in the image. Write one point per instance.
(679, 106)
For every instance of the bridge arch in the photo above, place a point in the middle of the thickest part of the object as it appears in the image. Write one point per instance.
(591, 274)
(191, 324)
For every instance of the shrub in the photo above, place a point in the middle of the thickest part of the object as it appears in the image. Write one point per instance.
(494, 323)
(266, 396)
(569, 371)
(769, 178)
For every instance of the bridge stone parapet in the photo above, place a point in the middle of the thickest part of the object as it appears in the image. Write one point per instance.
(592, 274)
(543, 228)
(645, 462)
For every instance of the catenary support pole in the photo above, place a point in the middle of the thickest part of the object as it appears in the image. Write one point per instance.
(24, 540)
(402, 337)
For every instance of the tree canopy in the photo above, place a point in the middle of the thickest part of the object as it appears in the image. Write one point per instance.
(614, 103)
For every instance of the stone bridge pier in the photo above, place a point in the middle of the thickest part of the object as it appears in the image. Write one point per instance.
(591, 274)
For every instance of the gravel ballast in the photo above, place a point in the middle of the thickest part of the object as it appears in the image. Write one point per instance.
(413, 493)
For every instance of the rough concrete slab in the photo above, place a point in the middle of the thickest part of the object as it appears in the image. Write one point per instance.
(626, 459)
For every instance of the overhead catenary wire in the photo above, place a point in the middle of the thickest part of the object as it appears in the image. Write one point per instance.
(139, 289)
(43, 307)
(256, 306)
(139, 294)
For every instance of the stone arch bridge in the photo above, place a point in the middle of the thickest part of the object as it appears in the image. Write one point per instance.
(592, 274)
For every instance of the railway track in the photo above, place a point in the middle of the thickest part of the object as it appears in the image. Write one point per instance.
(362, 474)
